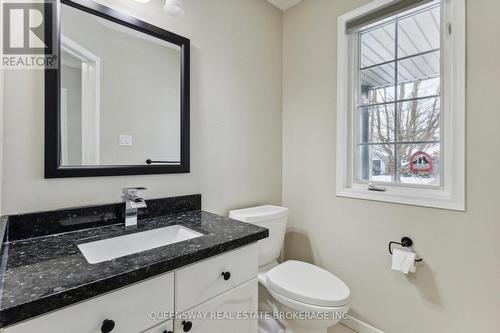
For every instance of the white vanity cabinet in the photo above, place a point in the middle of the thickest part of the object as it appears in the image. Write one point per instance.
(224, 287)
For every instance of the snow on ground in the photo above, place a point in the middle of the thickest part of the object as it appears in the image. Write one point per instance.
(407, 180)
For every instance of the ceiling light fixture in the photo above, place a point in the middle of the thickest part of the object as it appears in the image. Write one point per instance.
(174, 7)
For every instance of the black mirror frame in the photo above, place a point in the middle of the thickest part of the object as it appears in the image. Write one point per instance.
(53, 169)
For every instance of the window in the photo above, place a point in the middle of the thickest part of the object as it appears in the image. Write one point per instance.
(401, 103)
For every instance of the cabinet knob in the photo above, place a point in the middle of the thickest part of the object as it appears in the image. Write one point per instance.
(167, 331)
(186, 326)
(107, 326)
(226, 275)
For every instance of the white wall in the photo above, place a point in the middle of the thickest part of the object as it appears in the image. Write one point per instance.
(1, 131)
(457, 289)
(235, 111)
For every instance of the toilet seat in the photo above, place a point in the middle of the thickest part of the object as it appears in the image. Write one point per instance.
(304, 307)
(299, 282)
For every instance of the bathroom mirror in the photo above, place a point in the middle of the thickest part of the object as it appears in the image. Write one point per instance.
(118, 103)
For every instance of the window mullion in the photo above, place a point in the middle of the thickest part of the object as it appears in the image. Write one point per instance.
(400, 101)
(415, 55)
(396, 132)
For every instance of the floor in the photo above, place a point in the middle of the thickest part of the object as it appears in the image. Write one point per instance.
(340, 329)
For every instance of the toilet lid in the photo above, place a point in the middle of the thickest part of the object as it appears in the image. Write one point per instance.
(307, 283)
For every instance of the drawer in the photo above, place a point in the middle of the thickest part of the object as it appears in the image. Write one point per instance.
(166, 327)
(230, 312)
(130, 308)
(201, 281)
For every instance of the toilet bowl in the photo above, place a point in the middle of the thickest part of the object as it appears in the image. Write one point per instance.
(298, 297)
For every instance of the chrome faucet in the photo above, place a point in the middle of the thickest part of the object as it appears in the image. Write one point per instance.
(132, 203)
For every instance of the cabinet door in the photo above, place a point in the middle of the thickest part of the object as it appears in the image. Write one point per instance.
(203, 280)
(224, 313)
(166, 327)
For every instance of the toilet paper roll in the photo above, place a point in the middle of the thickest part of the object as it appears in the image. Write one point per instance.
(403, 261)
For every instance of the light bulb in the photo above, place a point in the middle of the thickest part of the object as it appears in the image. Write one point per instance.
(174, 7)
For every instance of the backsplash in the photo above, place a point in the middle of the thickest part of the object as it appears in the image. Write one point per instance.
(25, 226)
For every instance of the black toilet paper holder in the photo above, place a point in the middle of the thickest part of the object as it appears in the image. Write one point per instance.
(405, 242)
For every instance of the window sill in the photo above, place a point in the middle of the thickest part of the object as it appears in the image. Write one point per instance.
(433, 198)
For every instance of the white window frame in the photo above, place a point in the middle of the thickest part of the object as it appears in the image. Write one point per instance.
(451, 193)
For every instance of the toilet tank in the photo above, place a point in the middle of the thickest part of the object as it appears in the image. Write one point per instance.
(273, 218)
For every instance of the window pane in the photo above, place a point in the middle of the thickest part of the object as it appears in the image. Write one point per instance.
(419, 89)
(377, 45)
(377, 84)
(398, 111)
(419, 164)
(376, 124)
(420, 68)
(419, 33)
(376, 162)
(419, 120)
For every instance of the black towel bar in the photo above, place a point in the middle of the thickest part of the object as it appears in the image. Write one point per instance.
(405, 242)
(150, 161)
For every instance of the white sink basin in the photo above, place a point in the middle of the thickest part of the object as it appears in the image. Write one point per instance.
(111, 248)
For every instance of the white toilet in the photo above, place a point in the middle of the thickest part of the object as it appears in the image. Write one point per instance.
(301, 297)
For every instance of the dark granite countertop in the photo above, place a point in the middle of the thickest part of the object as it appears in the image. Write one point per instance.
(47, 272)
